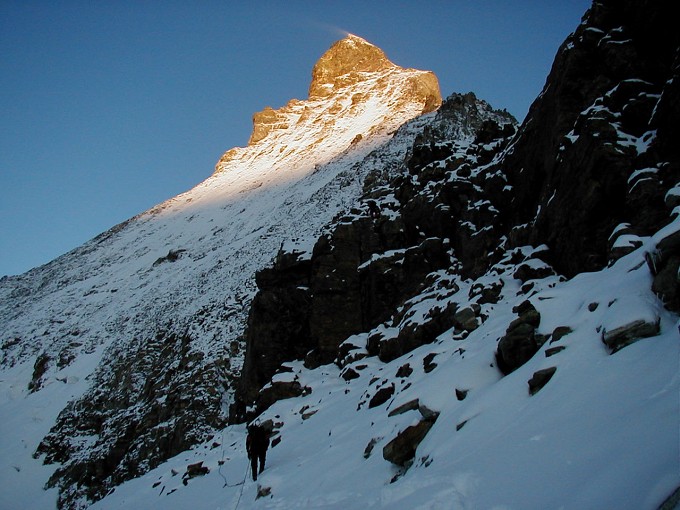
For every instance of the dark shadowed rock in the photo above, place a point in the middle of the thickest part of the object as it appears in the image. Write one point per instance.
(363, 268)
(381, 396)
(404, 371)
(665, 266)
(600, 90)
(526, 272)
(520, 342)
(349, 373)
(280, 390)
(194, 470)
(278, 331)
(554, 350)
(411, 405)
(369, 447)
(540, 379)
(618, 338)
(428, 362)
(560, 332)
(402, 449)
(489, 293)
(39, 368)
(467, 318)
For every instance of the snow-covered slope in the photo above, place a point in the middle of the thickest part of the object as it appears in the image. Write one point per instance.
(603, 432)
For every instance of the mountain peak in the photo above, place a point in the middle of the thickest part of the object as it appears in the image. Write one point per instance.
(350, 73)
(347, 56)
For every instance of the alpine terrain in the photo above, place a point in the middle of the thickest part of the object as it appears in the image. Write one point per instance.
(425, 304)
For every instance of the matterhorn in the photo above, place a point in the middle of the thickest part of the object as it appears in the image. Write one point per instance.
(136, 337)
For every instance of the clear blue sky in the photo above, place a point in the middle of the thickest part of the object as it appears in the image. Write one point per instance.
(108, 108)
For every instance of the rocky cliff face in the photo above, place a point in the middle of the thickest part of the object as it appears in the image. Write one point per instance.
(593, 154)
(589, 176)
(412, 221)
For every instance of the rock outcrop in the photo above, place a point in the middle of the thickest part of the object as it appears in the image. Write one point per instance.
(134, 423)
(367, 266)
(402, 449)
(521, 341)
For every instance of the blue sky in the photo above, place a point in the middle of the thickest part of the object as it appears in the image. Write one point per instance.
(108, 108)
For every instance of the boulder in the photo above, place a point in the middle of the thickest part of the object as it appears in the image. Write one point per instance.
(404, 371)
(194, 470)
(349, 373)
(387, 349)
(467, 318)
(402, 449)
(428, 362)
(381, 396)
(533, 270)
(280, 390)
(618, 338)
(554, 350)
(559, 332)
(411, 405)
(520, 342)
(489, 293)
(540, 379)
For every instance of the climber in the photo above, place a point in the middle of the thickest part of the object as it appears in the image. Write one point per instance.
(373, 209)
(257, 443)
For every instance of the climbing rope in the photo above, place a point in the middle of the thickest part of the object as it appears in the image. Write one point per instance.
(219, 470)
(243, 484)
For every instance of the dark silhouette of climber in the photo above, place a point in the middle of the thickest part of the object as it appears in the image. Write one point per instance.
(257, 443)
(373, 209)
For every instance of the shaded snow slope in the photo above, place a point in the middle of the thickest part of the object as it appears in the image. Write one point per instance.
(602, 433)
